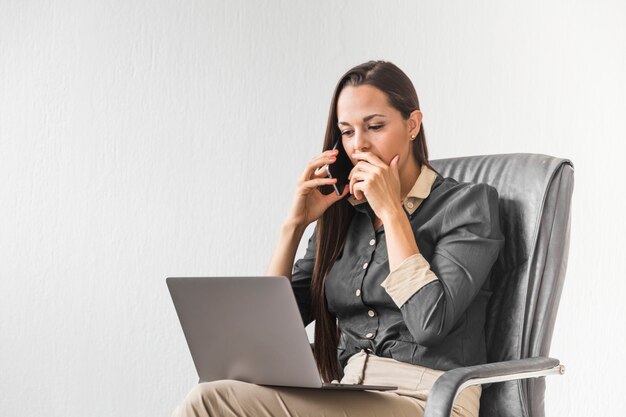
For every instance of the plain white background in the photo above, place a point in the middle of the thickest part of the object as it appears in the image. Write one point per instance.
(146, 139)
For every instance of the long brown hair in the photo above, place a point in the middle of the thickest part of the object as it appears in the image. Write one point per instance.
(332, 226)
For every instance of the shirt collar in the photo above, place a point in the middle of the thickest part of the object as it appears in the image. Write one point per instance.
(419, 192)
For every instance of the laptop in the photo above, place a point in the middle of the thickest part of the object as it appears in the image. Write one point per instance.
(248, 329)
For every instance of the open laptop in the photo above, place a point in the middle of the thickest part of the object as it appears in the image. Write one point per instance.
(248, 329)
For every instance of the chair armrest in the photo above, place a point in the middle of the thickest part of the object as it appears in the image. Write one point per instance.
(446, 388)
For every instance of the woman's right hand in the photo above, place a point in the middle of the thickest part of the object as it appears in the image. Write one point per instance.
(309, 203)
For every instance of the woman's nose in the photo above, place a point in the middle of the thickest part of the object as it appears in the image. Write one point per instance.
(360, 141)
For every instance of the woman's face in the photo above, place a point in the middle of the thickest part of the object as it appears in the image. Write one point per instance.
(369, 124)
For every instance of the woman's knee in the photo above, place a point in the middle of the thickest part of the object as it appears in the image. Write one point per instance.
(210, 395)
(206, 391)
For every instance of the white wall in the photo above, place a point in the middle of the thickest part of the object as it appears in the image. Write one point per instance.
(143, 139)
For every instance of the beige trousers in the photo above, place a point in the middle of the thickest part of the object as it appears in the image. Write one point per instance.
(229, 398)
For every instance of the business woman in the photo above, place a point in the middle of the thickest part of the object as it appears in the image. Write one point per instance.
(396, 273)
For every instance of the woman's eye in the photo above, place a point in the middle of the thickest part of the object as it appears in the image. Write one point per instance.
(373, 127)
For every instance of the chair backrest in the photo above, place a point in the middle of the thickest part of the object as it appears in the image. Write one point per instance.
(535, 200)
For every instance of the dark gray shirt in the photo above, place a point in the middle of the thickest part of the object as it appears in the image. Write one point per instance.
(441, 325)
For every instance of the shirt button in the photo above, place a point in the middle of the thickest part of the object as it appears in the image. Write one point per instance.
(372, 242)
(365, 265)
(369, 335)
(358, 292)
(409, 204)
(371, 313)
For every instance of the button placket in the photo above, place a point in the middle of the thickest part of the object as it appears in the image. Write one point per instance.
(373, 323)
(372, 328)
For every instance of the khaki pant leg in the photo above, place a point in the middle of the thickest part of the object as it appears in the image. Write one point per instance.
(229, 398)
(467, 403)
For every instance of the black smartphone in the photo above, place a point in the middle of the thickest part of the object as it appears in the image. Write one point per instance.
(340, 169)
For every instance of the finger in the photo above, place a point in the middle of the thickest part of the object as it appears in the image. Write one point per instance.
(352, 171)
(319, 161)
(369, 157)
(365, 166)
(322, 163)
(318, 182)
(362, 183)
(323, 171)
(328, 159)
(344, 193)
(357, 177)
(395, 161)
(358, 191)
(352, 181)
(333, 197)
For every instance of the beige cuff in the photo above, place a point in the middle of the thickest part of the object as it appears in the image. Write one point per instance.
(411, 275)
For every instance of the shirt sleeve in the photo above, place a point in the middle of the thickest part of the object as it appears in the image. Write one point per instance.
(301, 279)
(411, 275)
(464, 254)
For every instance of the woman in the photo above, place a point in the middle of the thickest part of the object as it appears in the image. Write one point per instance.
(396, 272)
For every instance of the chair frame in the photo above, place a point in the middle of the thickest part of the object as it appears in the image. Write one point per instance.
(450, 384)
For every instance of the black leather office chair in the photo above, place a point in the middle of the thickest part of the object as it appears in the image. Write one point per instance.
(535, 204)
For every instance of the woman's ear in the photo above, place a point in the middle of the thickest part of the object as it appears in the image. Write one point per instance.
(415, 122)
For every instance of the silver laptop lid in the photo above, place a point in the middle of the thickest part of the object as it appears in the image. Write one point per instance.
(245, 328)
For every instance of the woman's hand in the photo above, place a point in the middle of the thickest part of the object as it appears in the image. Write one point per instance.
(309, 203)
(379, 182)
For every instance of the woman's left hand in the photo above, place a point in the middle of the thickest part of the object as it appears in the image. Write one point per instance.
(379, 182)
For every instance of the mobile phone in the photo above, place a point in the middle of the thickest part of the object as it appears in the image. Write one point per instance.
(340, 169)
